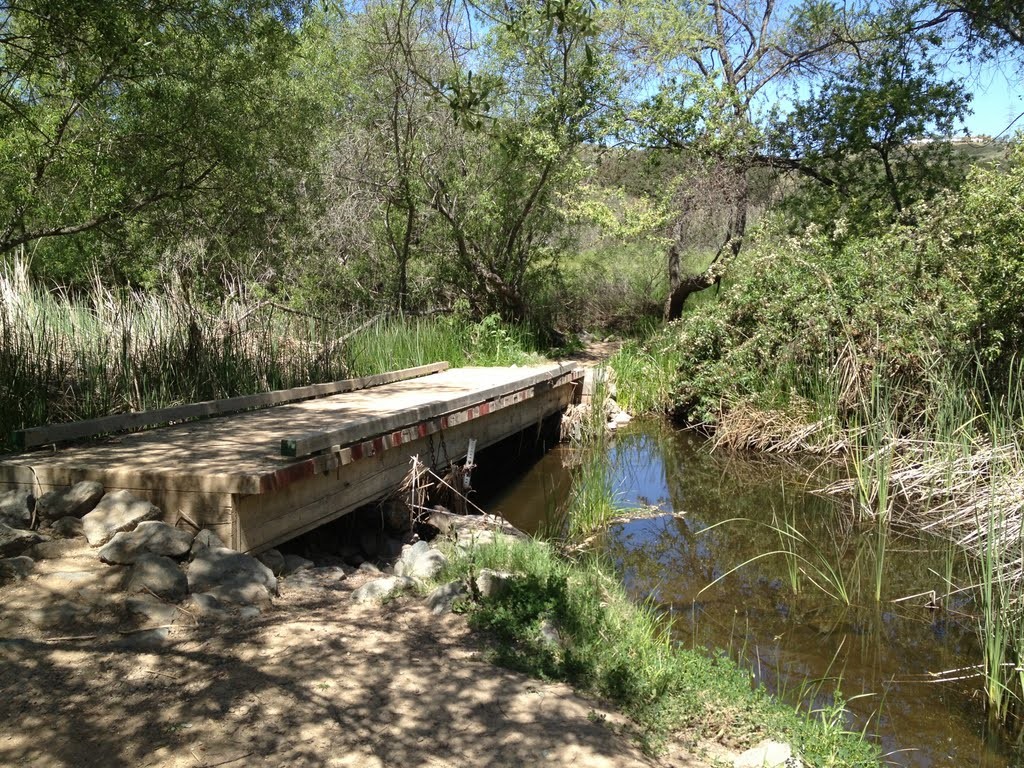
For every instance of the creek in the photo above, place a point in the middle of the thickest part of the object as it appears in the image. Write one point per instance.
(799, 611)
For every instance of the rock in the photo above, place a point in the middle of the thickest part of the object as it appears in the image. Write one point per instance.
(441, 599)
(369, 568)
(14, 541)
(116, 512)
(491, 583)
(16, 508)
(382, 588)
(206, 606)
(159, 576)
(68, 528)
(59, 549)
(76, 501)
(549, 635)
(16, 568)
(152, 610)
(231, 577)
(207, 539)
(294, 564)
(767, 754)
(419, 561)
(152, 537)
(622, 418)
(274, 560)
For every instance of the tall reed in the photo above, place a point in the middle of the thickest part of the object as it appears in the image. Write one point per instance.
(66, 357)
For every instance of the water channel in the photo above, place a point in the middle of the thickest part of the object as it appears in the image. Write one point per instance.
(804, 620)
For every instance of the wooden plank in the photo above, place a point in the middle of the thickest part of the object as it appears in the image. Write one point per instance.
(303, 445)
(267, 520)
(56, 433)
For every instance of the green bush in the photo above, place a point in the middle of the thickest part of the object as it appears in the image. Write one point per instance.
(818, 316)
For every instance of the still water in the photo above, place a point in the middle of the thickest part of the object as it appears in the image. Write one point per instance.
(799, 610)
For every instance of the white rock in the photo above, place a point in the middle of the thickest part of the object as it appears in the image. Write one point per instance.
(152, 537)
(116, 512)
(380, 589)
(767, 754)
(491, 583)
(232, 577)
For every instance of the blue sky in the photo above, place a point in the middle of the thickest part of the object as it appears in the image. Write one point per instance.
(996, 102)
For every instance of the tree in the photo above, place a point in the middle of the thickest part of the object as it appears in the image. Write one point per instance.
(115, 115)
(724, 59)
(871, 139)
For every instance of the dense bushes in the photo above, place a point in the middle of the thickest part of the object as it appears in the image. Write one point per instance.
(817, 316)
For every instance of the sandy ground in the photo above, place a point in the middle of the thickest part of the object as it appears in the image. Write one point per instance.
(317, 680)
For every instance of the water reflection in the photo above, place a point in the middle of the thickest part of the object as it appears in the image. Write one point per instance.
(803, 619)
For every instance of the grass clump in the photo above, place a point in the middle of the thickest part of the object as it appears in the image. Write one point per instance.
(646, 375)
(623, 652)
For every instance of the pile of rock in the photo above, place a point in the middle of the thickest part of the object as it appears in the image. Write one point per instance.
(162, 564)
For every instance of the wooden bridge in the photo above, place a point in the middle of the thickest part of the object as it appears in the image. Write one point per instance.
(304, 457)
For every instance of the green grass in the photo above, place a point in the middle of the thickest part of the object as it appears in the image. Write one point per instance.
(624, 652)
(391, 343)
(645, 377)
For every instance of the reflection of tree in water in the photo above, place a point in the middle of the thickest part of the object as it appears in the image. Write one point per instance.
(730, 505)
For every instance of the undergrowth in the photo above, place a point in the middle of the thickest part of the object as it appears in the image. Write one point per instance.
(624, 652)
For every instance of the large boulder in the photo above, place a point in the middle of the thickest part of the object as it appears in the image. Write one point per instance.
(76, 501)
(157, 575)
(116, 512)
(14, 541)
(231, 577)
(149, 537)
(16, 508)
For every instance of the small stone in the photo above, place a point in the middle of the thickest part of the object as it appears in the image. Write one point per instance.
(152, 537)
(382, 588)
(441, 599)
(16, 508)
(76, 501)
(16, 568)
(158, 575)
(491, 583)
(294, 564)
(14, 541)
(207, 539)
(68, 527)
(274, 560)
(622, 418)
(116, 512)
(767, 754)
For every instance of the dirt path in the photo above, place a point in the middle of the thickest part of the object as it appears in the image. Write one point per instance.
(317, 681)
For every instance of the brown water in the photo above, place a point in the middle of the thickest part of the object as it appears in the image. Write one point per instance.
(769, 614)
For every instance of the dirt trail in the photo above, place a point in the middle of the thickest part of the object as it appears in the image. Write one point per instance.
(317, 681)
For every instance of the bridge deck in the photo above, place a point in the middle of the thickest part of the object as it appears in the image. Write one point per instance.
(228, 473)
